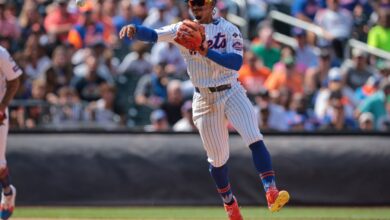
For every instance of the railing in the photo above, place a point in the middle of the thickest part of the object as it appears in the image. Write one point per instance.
(241, 18)
(276, 15)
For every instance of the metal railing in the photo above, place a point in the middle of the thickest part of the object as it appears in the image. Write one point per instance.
(276, 15)
(241, 18)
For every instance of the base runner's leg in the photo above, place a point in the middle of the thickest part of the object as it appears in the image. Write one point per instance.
(240, 113)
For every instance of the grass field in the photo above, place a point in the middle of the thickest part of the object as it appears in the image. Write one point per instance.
(197, 213)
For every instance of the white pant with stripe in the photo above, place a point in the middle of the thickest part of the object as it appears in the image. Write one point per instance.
(212, 111)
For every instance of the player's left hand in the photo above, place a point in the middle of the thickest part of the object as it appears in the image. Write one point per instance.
(191, 35)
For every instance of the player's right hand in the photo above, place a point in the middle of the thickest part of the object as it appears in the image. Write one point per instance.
(127, 31)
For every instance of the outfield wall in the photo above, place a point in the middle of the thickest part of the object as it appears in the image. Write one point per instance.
(158, 169)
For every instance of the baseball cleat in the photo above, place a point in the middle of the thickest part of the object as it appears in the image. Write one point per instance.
(276, 199)
(7, 205)
(233, 210)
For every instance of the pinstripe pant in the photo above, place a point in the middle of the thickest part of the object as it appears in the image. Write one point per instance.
(211, 112)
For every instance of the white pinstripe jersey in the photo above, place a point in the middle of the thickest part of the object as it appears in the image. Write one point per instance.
(221, 36)
(9, 70)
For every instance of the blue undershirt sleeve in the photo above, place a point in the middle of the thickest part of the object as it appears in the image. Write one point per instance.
(145, 34)
(229, 60)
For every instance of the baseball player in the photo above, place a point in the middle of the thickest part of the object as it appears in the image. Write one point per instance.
(212, 67)
(9, 84)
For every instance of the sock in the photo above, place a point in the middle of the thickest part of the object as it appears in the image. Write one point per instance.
(262, 162)
(5, 180)
(221, 179)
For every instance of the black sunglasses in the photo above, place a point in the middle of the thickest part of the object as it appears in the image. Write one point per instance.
(193, 3)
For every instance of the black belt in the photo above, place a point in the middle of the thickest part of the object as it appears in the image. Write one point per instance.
(216, 89)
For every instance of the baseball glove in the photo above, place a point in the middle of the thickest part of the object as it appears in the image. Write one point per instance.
(3, 116)
(191, 35)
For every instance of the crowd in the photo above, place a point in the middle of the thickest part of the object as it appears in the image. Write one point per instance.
(78, 74)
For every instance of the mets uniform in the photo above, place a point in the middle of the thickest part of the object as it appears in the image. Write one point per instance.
(9, 70)
(212, 110)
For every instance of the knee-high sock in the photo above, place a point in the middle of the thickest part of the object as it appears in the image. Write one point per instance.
(4, 178)
(262, 162)
(221, 179)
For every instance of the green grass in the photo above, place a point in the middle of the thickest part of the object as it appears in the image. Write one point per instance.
(198, 213)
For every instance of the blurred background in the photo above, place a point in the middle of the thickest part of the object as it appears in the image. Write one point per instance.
(99, 114)
(309, 65)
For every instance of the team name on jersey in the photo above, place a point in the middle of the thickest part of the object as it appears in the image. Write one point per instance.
(217, 42)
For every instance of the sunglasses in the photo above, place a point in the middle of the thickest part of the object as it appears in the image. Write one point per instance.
(193, 3)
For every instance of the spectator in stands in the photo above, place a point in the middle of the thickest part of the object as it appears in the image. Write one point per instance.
(61, 71)
(140, 9)
(334, 84)
(376, 103)
(185, 124)
(87, 31)
(174, 102)
(317, 78)
(151, 89)
(37, 114)
(384, 121)
(160, 18)
(223, 9)
(159, 122)
(299, 116)
(175, 62)
(379, 35)
(102, 112)
(383, 67)
(286, 74)
(351, 5)
(59, 21)
(369, 88)
(37, 60)
(172, 8)
(30, 20)
(125, 17)
(8, 24)
(356, 71)
(281, 97)
(253, 73)
(266, 50)
(109, 34)
(366, 122)
(137, 62)
(305, 9)
(87, 86)
(96, 50)
(360, 23)
(305, 56)
(270, 116)
(110, 7)
(66, 109)
(338, 116)
(336, 23)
